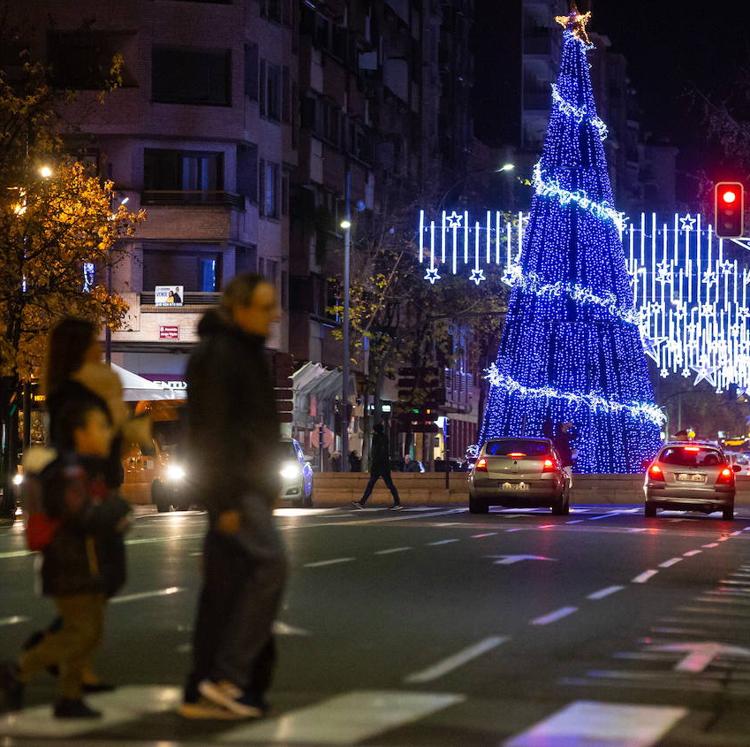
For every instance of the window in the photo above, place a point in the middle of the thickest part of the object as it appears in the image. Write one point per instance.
(247, 171)
(285, 193)
(251, 71)
(191, 76)
(245, 259)
(286, 96)
(186, 171)
(511, 446)
(279, 11)
(82, 60)
(270, 90)
(269, 189)
(207, 274)
(691, 456)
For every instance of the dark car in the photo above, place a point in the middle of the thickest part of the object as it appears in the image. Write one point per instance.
(518, 472)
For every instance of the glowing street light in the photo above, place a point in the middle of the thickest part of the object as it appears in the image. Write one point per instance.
(345, 224)
(45, 171)
(506, 167)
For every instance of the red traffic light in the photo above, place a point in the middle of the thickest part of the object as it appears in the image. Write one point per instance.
(729, 209)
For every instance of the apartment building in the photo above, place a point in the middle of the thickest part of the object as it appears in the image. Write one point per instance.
(200, 133)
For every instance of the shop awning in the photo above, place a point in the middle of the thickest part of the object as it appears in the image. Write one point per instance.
(135, 388)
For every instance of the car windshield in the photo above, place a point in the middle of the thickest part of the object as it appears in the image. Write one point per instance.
(691, 456)
(516, 446)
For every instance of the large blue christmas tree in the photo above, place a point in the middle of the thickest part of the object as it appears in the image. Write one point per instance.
(571, 349)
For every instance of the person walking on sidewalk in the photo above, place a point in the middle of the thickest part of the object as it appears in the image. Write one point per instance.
(380, 466)
(234, 443)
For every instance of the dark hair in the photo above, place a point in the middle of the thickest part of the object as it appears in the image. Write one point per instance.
(68, 342)
(240, 290)
(73, 416)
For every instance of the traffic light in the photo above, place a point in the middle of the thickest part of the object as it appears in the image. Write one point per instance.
(729, 202)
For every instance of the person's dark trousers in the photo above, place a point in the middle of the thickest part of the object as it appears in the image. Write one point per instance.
(249, 599)
(221, 559)
(375, 475)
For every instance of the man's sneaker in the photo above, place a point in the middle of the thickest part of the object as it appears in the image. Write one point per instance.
(228, 696)
(396, 507)
(74, 708)
(11, 687)
(205, 709)
(357, 504)
(90, 688)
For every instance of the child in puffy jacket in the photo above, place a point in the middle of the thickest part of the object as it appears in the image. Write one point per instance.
(72, 518)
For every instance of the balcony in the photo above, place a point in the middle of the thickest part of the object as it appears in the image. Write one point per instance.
(191, 198)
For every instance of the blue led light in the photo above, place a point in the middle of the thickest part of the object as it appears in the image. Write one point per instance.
(571, 349)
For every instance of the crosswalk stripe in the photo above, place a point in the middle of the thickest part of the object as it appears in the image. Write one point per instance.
(344, 719)
(125, 704)
(613, 724)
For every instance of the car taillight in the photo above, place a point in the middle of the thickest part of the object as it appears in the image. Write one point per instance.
(655, 472)
(549, 466)
(726, 476)
(481, 465)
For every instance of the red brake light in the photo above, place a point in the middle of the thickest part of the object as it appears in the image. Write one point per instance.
(481, 465)
(516, 454)
(726, 476)
(655, 472)
(549, 466)
(693, 449)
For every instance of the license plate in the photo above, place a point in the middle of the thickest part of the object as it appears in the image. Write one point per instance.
(685, 477)
(518, 486)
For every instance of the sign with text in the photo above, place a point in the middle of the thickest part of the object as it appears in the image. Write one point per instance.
(169, 295)
(169, 332)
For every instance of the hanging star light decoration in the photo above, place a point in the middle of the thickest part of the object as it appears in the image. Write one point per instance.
(576, 22)
(477, 276)
(432, 275)
(454, 220)
(687, 222)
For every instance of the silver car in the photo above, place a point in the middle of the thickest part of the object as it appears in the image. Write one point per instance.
(518, 472)
(296, 474)
(692, 476)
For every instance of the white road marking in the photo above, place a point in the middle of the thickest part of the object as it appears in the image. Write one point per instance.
(13, 620)
(591, 723)
(147, 595)
(442, 542)
(722, 539)
(700, 655)
(333, 561)
(515, 529)
(637, 530)
(669, 563)
(15, 554)
(576, 521)
(391, 550)
(484, 534)
(344, 719)
(171, 538)
(554, 616)
(605, 592)
(547, 526)
(282, 628)
(513, 559)
(736, 534)
(643, 577)
(127, 703)
(456, 661)
(711, 544)
(692, 553)
(607, 515)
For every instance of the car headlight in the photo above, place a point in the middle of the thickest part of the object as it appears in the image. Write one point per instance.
(175, 472)
(290, 470)
(17, 479)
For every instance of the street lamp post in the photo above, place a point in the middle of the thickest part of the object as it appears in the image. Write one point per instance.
(346, 224)
(504, 169)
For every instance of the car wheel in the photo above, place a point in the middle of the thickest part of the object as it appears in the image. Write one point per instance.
(477, 506)
(649, 510)
(728, 514)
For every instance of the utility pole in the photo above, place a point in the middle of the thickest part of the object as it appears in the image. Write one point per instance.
(346, 224)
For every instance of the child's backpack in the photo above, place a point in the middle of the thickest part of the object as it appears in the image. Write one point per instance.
(40, 527)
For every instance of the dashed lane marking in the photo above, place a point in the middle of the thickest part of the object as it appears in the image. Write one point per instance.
(147, 595)
(691, 553)
(552, 617)
(644, 577)
(333, 561)
(457, 660)
(605, 592)
(13, 620)
(442, 542)
(484, 534)
(711, 544)
(392, 550)
(515, 529)
(592, 723)
(344, 719)
(669, 563)
(576, 521)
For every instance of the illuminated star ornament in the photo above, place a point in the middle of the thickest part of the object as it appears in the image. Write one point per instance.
(576, 22)
(477, 275)
(454, 220)
(687, 222)
(432, 275)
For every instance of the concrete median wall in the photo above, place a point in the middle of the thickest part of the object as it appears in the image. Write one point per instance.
(428, 489)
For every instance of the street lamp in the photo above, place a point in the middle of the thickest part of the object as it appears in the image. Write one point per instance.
(45, 171)
(504, 169)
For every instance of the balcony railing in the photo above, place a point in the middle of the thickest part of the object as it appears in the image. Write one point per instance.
(192, 197)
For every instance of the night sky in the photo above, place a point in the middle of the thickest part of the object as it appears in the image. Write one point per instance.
(673, 46)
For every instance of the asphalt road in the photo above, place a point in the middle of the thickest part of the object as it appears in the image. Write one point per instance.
(431, 627)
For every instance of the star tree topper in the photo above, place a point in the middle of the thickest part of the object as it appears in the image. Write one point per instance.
(576, 22)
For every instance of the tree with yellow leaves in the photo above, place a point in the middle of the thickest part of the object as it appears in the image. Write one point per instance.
(60, 230)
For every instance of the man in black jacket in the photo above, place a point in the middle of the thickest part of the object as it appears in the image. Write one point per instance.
(233, 443)
(380, 466)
